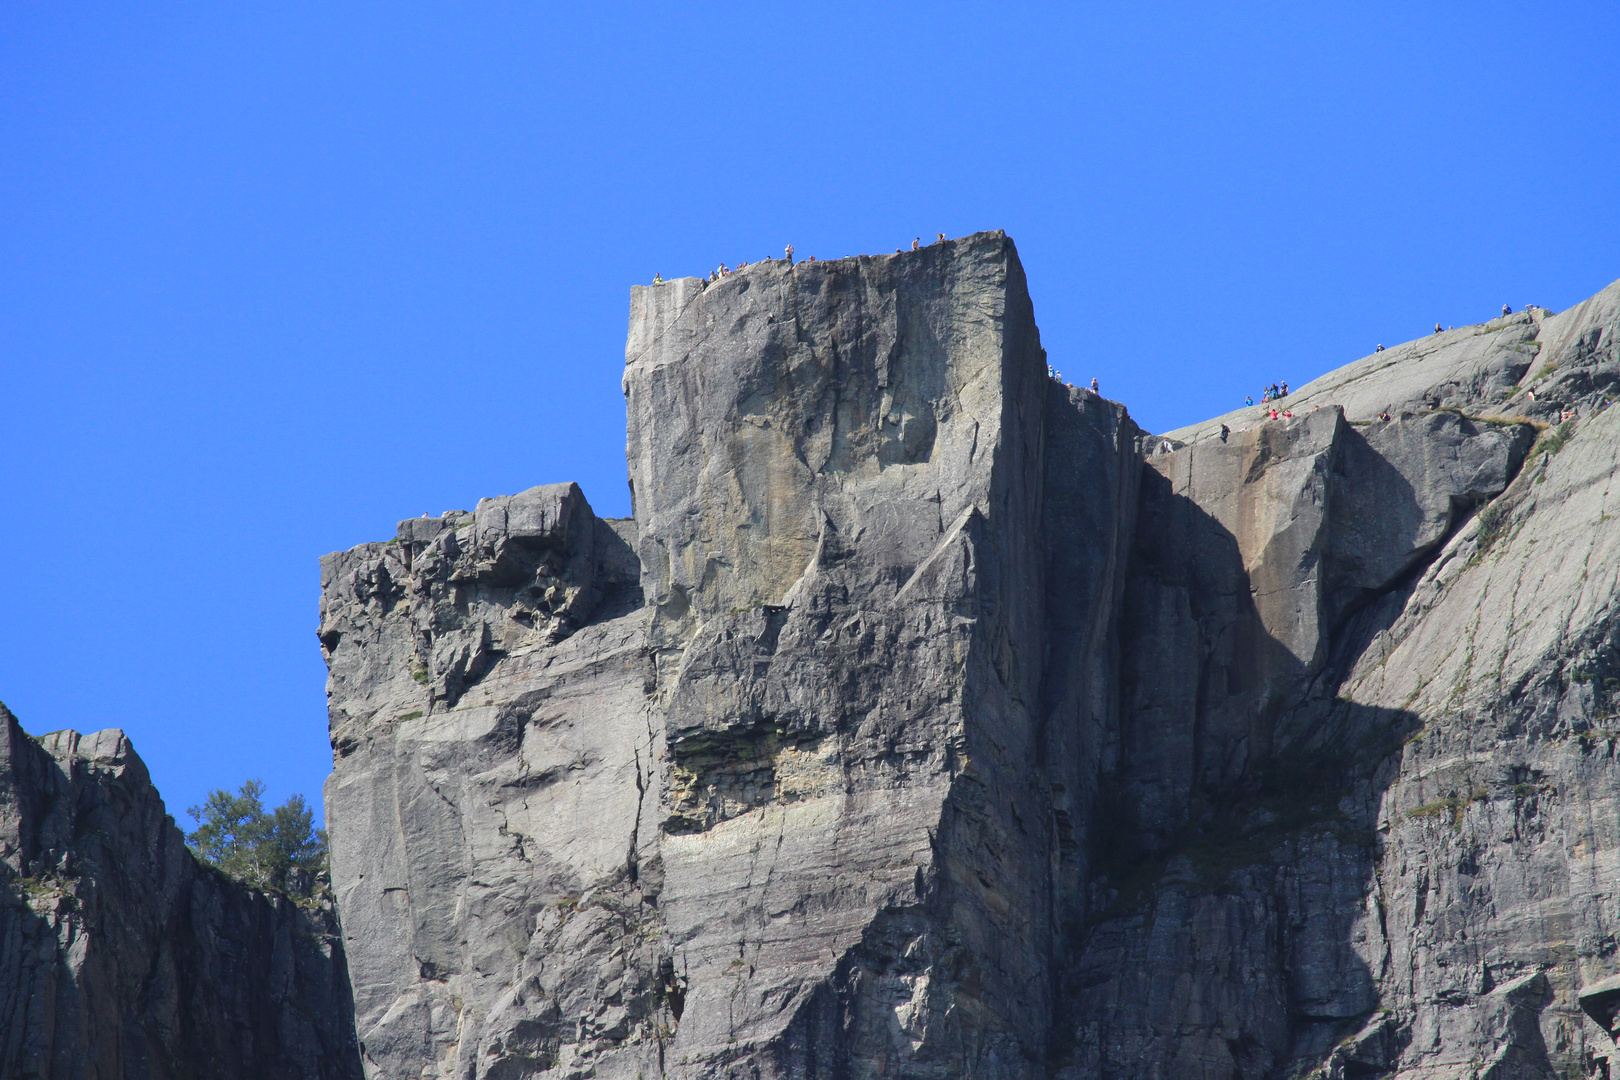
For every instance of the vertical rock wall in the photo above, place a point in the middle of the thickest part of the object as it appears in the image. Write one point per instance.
(122, 958)
(918, 725)
(926, 720)
(837, 472)
(780, 820)
(1378, 848)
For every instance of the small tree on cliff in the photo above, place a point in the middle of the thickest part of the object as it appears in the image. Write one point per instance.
(272, 849)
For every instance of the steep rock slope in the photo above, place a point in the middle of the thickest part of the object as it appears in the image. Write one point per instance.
(493, 778)
(121, 957)
(779, 821)
(929, 720)
(1362, 818)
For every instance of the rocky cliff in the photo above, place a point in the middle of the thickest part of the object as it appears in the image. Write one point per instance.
(927, 720)
(930, 720)
(123, 959)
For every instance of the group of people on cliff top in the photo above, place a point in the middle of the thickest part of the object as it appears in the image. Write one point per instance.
(1054, 373)
(723, 271)
(1274, 392)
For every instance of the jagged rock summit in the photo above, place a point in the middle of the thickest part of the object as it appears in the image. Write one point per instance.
(930, 720)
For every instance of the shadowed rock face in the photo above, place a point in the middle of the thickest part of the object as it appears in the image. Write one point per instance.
(121, 957)
(918, 725)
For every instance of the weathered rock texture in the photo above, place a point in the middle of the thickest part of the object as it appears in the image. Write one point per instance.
(929, 720)
(123, 959)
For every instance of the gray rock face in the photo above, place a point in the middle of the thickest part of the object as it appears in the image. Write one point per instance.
(920, 725)
(121, 957)
(494, 755)
(782, 814)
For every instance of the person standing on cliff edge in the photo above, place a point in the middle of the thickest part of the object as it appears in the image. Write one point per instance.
(790, 253)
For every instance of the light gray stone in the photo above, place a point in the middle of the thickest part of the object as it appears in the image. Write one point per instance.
(931, 720)
(927, 720)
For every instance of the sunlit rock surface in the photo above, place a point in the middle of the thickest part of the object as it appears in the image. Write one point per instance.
(930, 720)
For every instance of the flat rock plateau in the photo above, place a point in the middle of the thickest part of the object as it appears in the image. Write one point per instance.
(926, 720)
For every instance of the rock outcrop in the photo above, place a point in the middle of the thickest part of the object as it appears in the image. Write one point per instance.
(753, 823)
(927, 720)
(930, 720)
(121, 958)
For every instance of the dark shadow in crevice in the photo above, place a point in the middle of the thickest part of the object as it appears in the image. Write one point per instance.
(1233, 836)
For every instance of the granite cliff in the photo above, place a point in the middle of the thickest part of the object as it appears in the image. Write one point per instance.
(122, 958)
(928, 719)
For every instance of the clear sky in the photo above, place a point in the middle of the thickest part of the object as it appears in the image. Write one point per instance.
(273, 276)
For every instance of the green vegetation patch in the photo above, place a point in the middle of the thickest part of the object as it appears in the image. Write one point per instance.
(278, 849)
(1453, 805)
(1492, 521)
(1556, 439)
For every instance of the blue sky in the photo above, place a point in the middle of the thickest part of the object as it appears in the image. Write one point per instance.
(275, 276)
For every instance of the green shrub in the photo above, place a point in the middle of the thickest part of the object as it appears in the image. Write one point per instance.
(1491, 521)
(1555, 440)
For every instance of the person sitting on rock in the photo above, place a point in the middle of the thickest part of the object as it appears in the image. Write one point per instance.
(916, 242)
(1506, 310)
(941, 239)
(1248, 400)
(658, 279)
(1284, 389)
(1379, 349)
(1437, 328)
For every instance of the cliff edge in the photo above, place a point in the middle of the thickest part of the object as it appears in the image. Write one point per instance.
(123, 958)
(927, 719)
